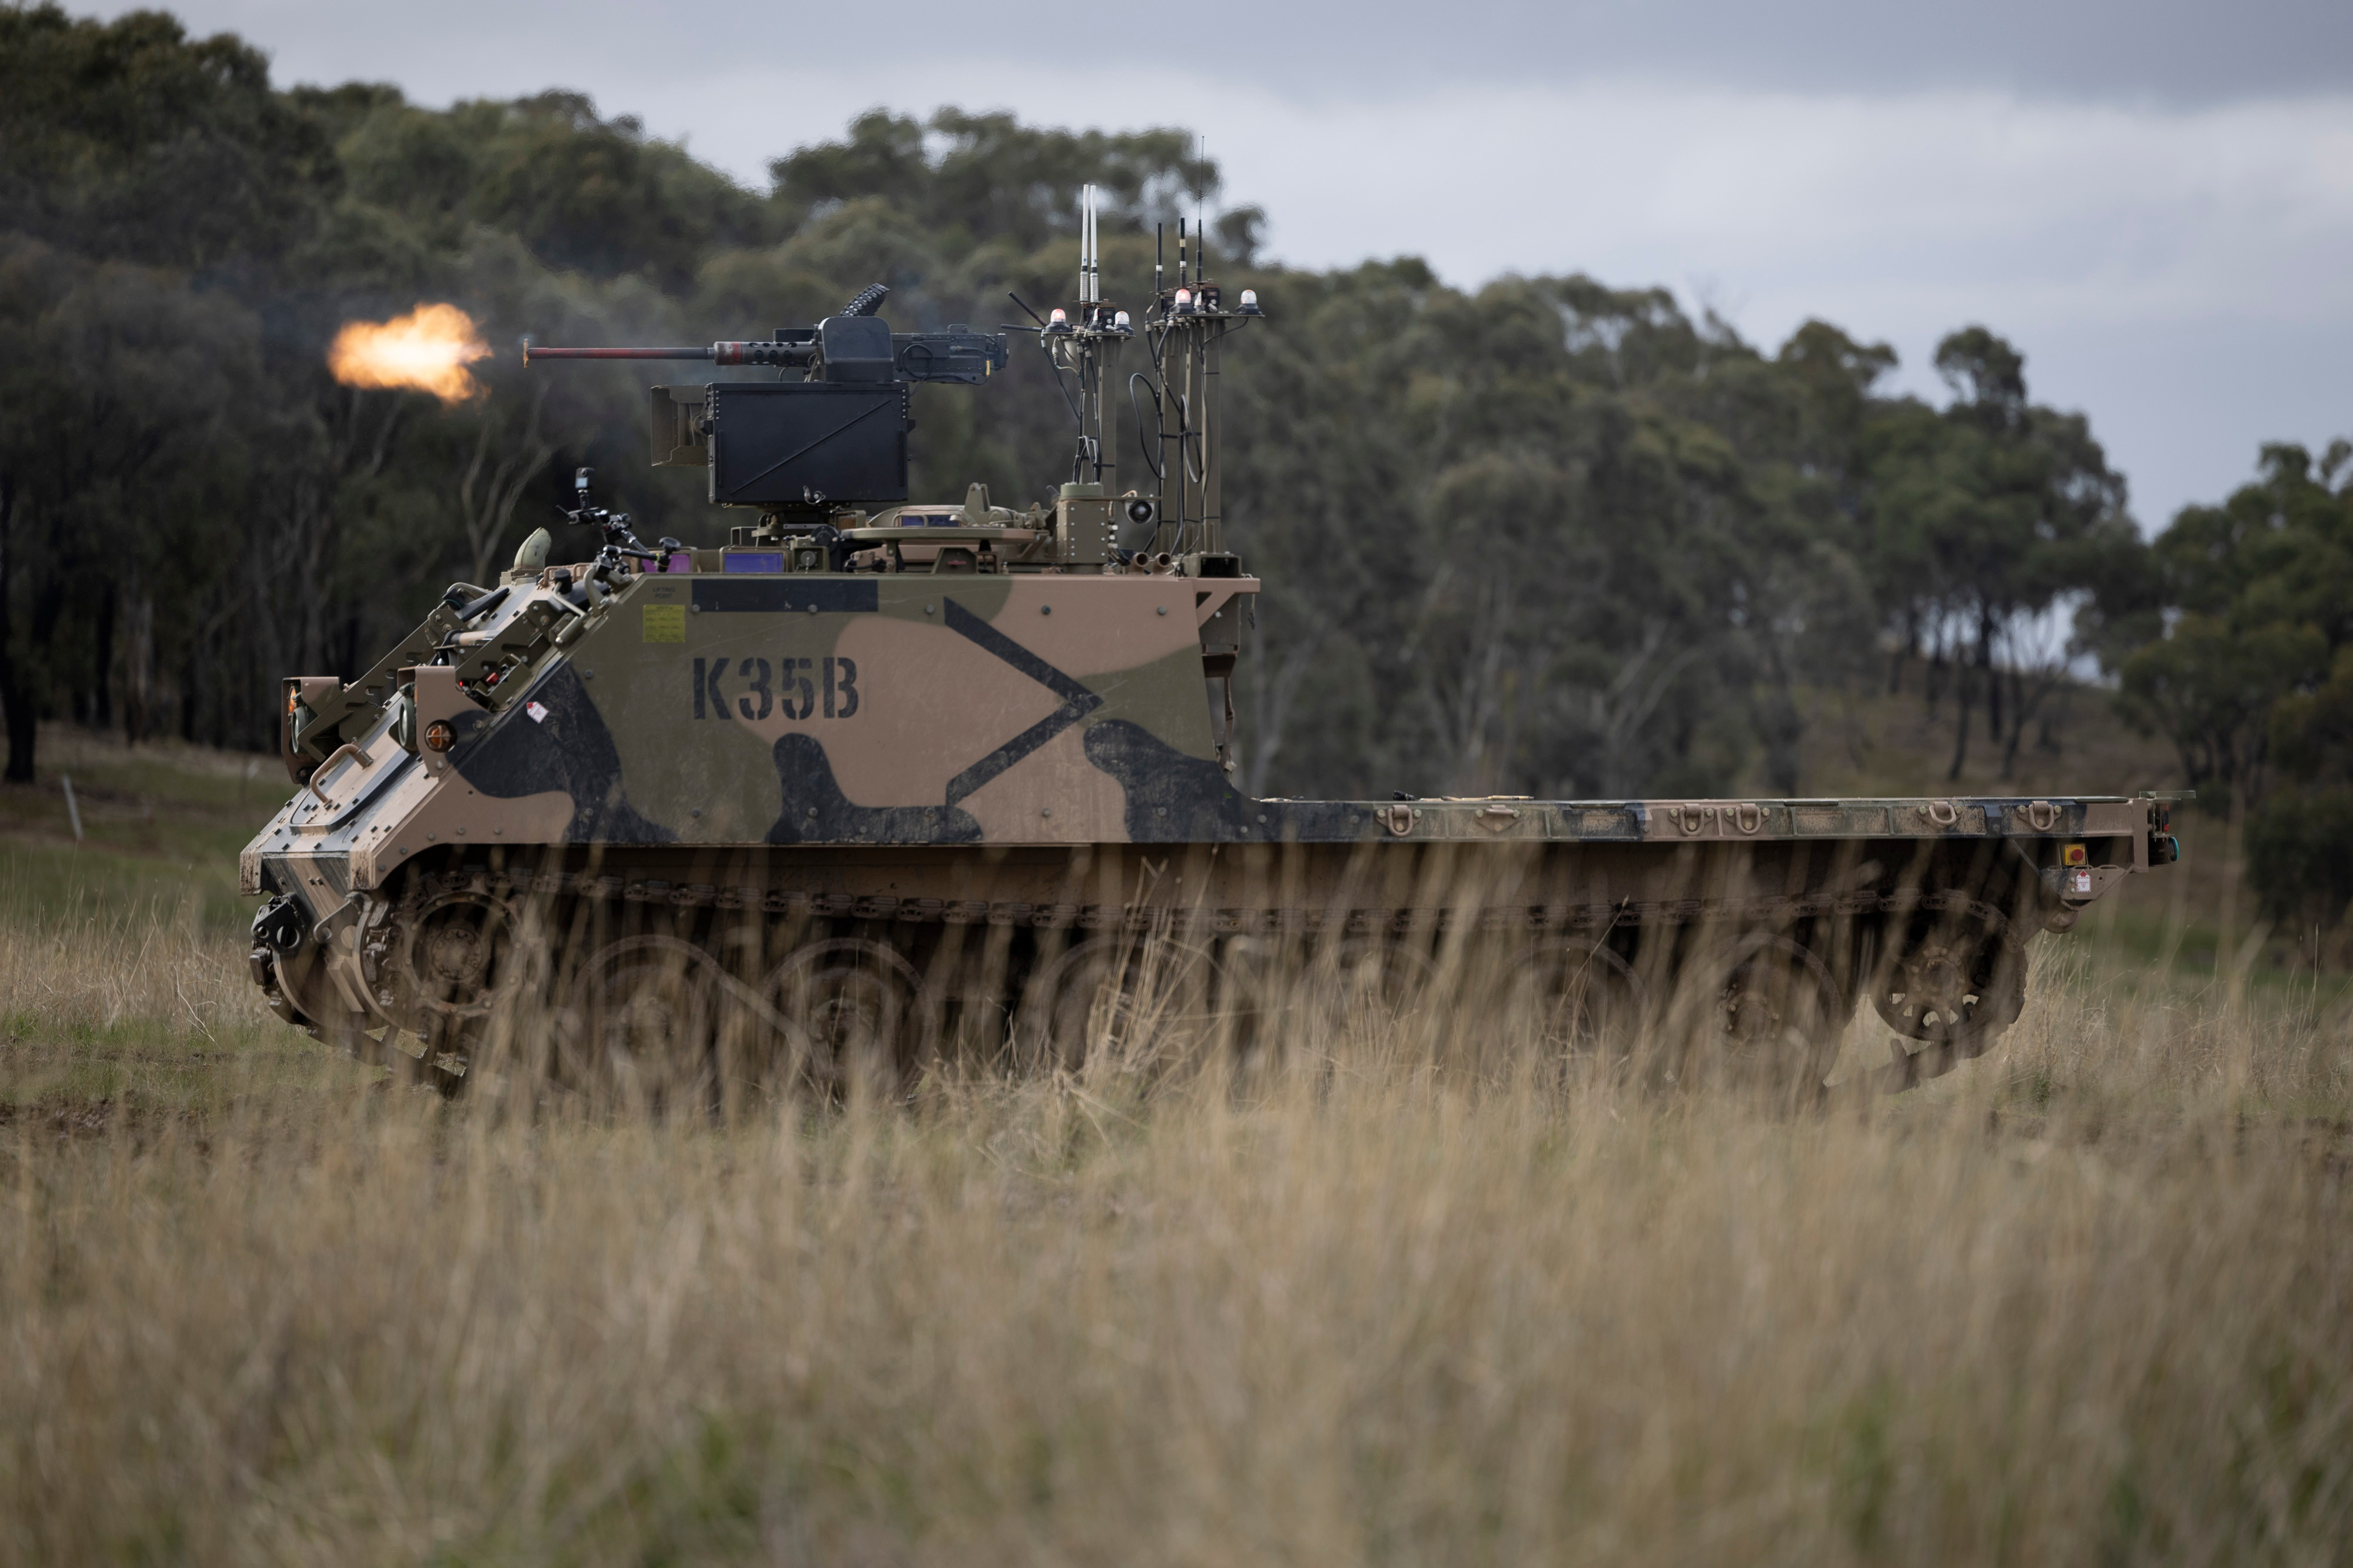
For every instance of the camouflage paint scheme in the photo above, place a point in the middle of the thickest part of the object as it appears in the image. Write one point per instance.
(717, 709)
(734, 737)
(735, 712)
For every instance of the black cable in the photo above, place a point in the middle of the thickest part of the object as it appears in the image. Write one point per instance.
(1077, 418)
(1159, 430)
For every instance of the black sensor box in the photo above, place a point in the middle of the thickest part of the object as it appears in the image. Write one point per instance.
(801, 443)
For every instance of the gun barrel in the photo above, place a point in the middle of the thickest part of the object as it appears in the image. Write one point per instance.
(756, 354)
(531, 353)
(958, 354)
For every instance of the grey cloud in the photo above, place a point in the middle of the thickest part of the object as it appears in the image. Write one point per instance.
(2167, 51)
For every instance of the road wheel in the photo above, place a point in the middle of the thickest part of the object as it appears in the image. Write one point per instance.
(1284, 996)
(644, 1040)
(1761, 1014)
(457, 960)
(1582, 996)
(1367, 980)
(1121, 1001)
(855, 1011)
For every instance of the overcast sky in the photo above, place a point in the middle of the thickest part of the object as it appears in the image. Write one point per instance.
(2154, 201)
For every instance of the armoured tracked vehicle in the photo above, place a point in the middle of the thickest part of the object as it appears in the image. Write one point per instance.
(878, 775)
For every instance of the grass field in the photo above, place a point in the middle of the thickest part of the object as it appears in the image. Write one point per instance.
(1401, 1297)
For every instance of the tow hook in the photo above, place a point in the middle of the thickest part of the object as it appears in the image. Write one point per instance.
(279, 926)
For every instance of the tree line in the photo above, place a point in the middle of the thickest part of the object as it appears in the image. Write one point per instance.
(1543, 537)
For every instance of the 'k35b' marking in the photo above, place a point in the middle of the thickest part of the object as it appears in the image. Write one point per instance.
(785, 688)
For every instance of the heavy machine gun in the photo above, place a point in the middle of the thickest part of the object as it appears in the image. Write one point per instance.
(797, 449)
(810, 454)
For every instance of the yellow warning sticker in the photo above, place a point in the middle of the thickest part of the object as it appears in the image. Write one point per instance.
(665, 623)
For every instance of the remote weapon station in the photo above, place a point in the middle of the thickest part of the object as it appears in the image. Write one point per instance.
(879, 774)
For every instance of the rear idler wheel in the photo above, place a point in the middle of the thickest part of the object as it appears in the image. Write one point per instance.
(1954, 986)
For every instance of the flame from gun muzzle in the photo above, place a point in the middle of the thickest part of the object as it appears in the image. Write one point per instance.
(426, 350)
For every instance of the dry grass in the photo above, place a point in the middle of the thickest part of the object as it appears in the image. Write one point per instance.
(2088, 1299)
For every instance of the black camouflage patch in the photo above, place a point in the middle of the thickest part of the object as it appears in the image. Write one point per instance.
(816, 812)
(508, 754)
(1172, 798)
(1076, 701)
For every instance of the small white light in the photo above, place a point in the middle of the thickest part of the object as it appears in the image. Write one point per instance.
(1250, 299)
(1184, 300)
(1121, 321)
(1058, 318)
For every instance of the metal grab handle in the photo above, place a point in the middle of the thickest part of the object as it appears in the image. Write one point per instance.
(1944, 813)
(2041, 816)
(312, 784)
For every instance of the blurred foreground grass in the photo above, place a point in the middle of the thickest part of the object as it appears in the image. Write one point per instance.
(1401, 1298)
(2088, 1299)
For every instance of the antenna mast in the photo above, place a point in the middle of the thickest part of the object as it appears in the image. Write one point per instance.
(1085, 339)
(1187, 324)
